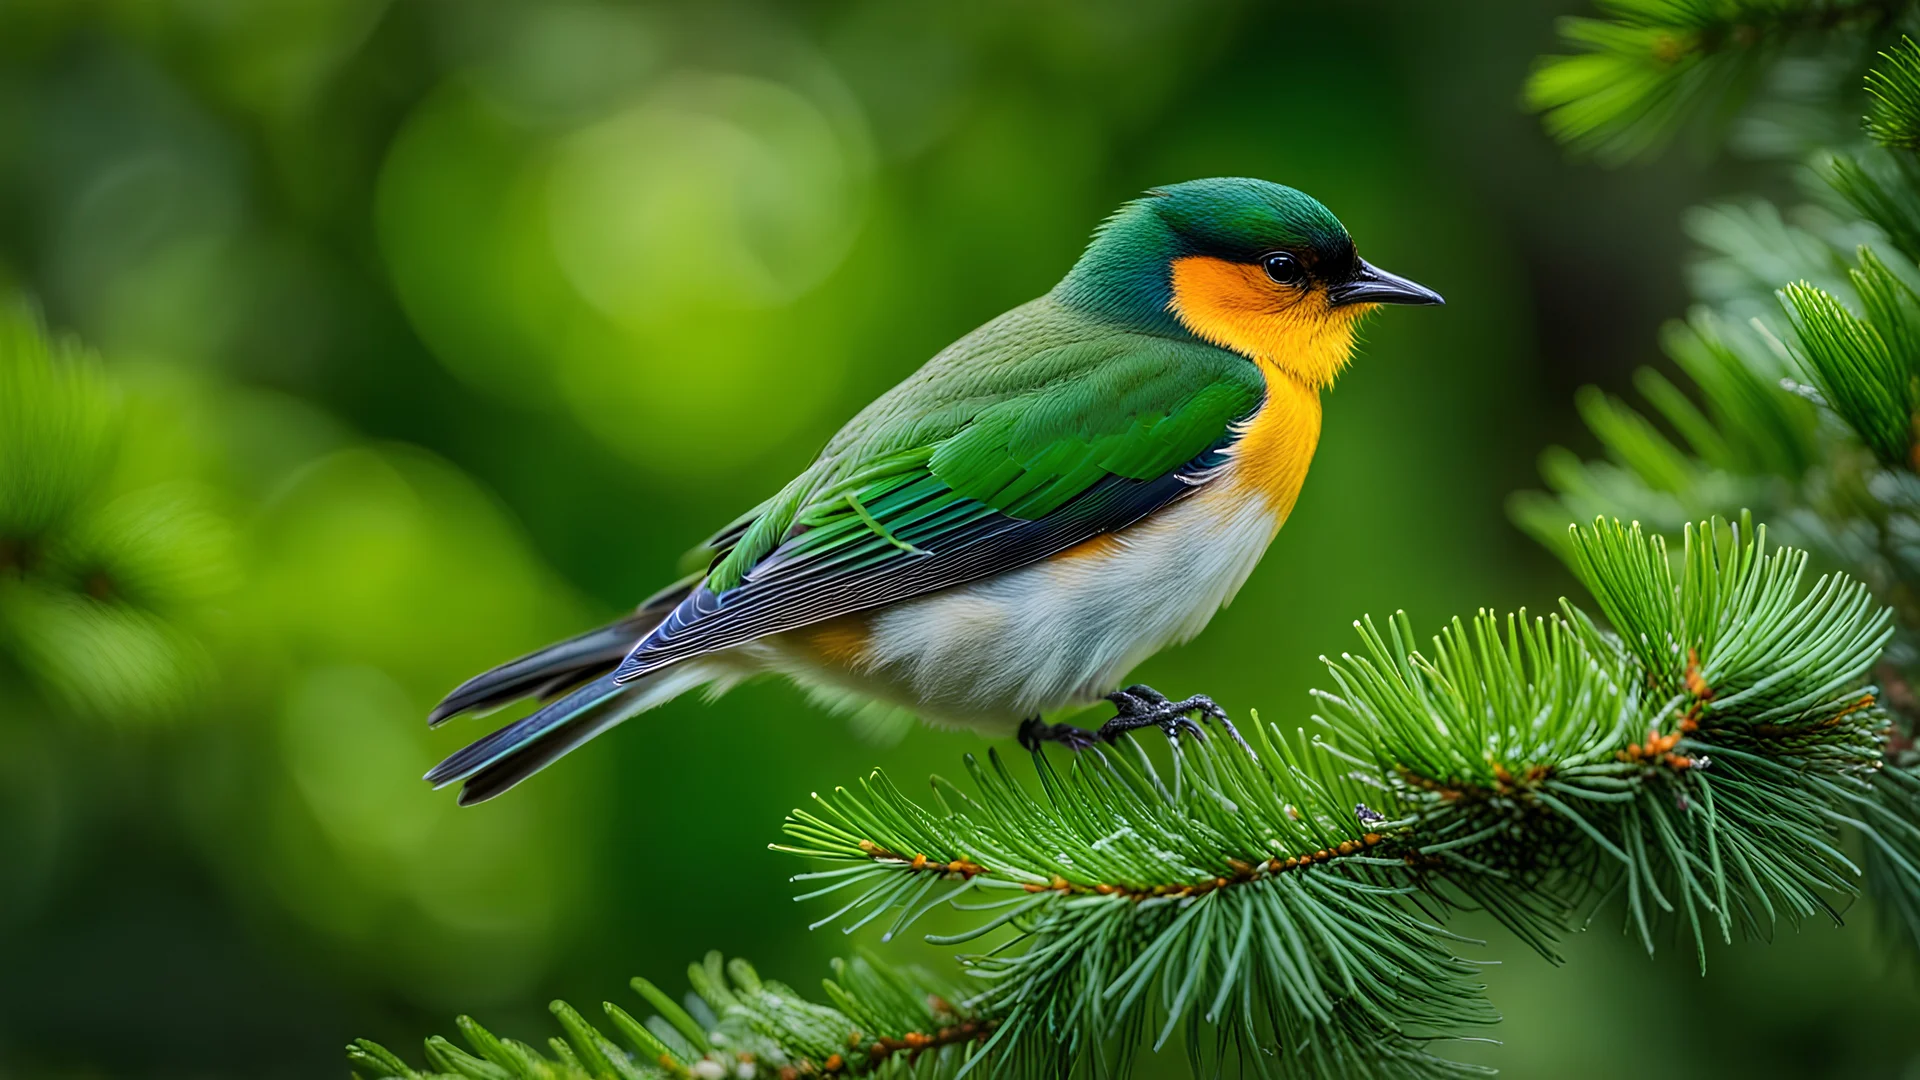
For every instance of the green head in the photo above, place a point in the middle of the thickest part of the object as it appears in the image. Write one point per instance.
(1245, 264)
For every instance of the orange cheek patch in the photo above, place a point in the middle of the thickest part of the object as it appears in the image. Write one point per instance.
(1236, 306)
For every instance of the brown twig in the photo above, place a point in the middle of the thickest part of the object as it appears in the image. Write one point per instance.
(958, 868)
(1243, 873)
(867, 1057)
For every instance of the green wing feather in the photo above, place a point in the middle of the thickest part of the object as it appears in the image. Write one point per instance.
(1139, 407)
(990, 427)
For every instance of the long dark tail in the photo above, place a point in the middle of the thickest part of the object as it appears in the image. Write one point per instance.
(574, 681)
(526, 746)
(549, 672)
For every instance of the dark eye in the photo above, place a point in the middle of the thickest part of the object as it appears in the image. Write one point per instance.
(1284, 268)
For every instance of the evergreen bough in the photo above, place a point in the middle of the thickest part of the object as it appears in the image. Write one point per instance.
(882, 1021)
(1805, 363)
(1280, 895)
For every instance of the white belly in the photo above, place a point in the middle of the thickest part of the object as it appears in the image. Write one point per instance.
(1058, 633)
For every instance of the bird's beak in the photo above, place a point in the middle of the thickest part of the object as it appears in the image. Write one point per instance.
(1372, 285)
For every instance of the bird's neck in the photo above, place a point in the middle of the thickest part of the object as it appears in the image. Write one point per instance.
(1125, 277)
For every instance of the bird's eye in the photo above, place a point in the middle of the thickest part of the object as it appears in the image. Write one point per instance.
(1284, 268)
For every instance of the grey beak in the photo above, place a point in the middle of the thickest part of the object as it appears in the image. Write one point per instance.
(1372, 285)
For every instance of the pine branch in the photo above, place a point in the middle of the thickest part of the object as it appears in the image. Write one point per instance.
(882, 1021)
(1152, 898)
(1280, 895)
(1641, 74)
(1835, 388)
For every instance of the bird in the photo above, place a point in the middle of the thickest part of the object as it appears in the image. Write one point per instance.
(1077, 484)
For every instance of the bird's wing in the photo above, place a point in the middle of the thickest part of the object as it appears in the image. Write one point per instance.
(697, 561)
(1076, 440)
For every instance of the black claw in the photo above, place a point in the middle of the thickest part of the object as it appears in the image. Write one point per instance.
(1141, 706)
(1033, 733)
(1171, 723)
(1138, 706)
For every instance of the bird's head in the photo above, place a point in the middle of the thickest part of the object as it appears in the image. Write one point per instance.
(1247, 265)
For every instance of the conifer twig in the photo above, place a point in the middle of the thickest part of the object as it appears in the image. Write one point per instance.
(1701, 760)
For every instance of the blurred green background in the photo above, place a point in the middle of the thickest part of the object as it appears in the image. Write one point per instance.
(431, 331)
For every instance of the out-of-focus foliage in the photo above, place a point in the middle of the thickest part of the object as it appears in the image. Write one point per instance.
(373, 565)
(131, 593)
(1650, 68)
(106, 561)
(621, 236)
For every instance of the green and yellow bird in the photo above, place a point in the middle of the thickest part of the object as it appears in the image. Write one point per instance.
(1049, 501)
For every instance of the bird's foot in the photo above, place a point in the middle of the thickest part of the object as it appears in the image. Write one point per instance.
(1033, 732)
(1140, 706)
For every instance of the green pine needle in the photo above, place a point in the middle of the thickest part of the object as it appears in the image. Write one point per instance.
(1766, 430)
(885, 1021)
(1882, 188)
(1857, 371)
(1894, 118)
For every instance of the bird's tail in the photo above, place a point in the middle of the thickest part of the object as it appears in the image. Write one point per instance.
(574, 681)
(524, 747)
